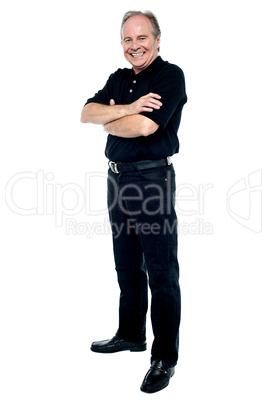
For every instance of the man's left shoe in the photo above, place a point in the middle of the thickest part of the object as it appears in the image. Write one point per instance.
(157, 377)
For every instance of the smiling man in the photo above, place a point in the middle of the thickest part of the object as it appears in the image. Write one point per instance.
(137, 36)
(140, 109)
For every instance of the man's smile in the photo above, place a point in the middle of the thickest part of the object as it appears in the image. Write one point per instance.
(137, 54)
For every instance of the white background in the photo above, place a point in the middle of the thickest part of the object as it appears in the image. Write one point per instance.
(58, 288)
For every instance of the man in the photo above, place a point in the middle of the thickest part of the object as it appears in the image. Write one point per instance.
(141, 109)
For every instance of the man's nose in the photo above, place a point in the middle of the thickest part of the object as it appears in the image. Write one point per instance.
(135, 45)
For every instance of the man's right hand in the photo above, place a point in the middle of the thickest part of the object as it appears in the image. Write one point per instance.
(144, 104)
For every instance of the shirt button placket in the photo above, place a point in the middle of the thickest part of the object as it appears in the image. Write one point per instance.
(131, 90)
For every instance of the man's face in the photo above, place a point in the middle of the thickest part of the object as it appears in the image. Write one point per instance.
(139, 45)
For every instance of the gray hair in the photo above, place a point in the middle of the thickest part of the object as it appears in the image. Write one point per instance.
(152, 18)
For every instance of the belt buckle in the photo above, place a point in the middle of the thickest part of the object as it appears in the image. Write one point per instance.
(113, 166)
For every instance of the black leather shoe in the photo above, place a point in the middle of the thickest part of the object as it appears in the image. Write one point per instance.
(117, 344)
(157, 377)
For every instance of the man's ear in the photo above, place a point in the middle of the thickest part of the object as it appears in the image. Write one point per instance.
(158, 42)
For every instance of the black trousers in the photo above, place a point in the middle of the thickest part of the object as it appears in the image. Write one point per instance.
(144, 228)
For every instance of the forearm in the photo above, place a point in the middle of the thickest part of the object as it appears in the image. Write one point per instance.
(102, 114)
(131, 126)
(97, 113)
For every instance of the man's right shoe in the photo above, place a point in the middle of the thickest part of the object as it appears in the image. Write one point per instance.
(117, 344)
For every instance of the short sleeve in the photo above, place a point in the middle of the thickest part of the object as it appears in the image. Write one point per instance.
(103, 96)
(171, 87)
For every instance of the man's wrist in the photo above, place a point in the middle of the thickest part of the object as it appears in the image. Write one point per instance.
(125, 110)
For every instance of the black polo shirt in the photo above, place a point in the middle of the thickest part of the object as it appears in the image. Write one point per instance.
(124, 86)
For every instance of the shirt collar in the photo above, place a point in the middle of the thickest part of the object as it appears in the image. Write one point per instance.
(153, 66)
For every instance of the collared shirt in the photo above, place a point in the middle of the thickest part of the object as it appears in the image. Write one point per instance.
(125, 87)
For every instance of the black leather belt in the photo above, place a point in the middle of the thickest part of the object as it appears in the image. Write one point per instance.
(118, 167)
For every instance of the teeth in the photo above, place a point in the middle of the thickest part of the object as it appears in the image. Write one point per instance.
(137, 54)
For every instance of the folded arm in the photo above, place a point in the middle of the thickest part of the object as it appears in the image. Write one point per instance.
(124, 120)
(97, 113)
(131, 126)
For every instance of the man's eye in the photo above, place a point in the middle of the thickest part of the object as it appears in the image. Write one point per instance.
(142, 38)
(127, 40)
